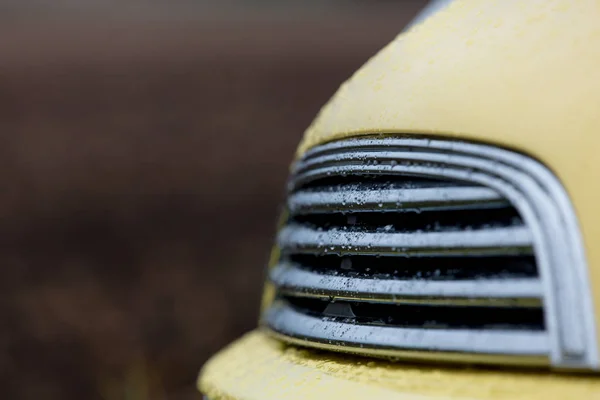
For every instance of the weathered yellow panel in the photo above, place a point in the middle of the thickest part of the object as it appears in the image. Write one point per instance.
(260, 368)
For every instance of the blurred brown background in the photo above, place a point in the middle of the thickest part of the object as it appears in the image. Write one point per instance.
(144, 148)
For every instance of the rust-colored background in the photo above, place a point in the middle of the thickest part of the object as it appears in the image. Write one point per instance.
(143, 156)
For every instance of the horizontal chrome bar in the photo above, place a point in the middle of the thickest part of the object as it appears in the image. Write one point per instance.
(286, 321)
(351, 198)
(524, 292)
(296, 238)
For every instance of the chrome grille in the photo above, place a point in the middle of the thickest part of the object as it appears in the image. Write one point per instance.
(417, 248)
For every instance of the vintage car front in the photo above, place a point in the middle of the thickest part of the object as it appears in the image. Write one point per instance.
(439, 235)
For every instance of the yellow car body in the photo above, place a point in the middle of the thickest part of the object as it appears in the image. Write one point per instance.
(518, 74)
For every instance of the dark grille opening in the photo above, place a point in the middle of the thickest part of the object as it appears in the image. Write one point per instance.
(426, 317)
(407, 221)
(418, 268)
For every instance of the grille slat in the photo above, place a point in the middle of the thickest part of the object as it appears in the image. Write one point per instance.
(357, 338)
(358, 198)
(293, 280)
(296, 238)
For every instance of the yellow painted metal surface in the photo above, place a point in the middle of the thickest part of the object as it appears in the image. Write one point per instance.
(521, 74)
(260, 368)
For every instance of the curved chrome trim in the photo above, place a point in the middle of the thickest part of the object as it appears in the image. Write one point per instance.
(286, 321)
(492, 241)
(523, 292)
(350, 198)
(432, 8)
(539, 198)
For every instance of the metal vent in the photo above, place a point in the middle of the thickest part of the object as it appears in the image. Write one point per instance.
(404, 247)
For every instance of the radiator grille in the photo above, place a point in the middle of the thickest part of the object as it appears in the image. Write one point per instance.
(401, 249)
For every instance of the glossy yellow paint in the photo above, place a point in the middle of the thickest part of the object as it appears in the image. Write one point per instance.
(260, 368)
(521, 74)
